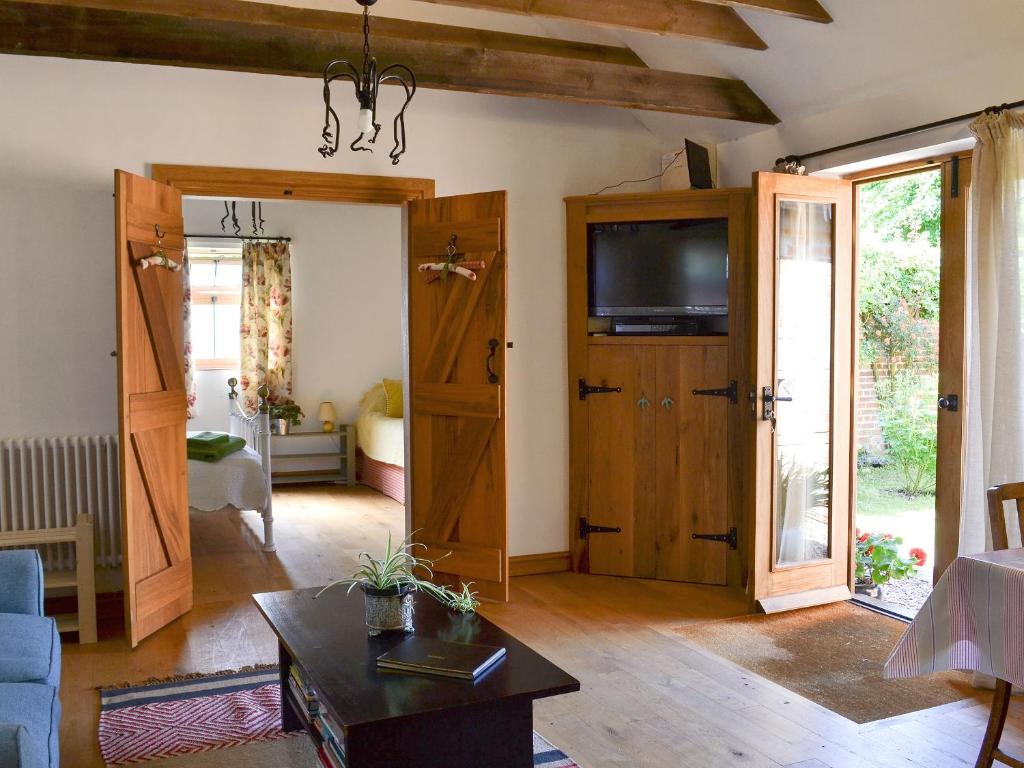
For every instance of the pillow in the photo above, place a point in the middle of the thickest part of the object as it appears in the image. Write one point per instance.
(393, 407)
(374, 401)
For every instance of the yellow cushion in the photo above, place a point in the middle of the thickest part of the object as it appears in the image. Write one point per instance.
(393, 407)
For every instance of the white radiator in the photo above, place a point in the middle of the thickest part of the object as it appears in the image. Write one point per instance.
(46, 481)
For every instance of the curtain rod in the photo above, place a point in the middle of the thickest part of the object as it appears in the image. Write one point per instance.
(906, 131)
(241, 237)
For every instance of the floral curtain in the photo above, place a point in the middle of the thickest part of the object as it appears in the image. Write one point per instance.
(995, 341)
(190, 384)
(266, 348)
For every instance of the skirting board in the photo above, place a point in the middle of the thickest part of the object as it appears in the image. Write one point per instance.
(543, 562)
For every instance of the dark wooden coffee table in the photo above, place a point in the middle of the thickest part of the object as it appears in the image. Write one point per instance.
(393, 719)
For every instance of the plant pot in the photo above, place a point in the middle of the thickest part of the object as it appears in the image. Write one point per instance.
(869, 589)
(388, 610)
(280, 426)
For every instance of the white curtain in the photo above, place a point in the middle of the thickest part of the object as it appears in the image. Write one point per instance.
(995, 340)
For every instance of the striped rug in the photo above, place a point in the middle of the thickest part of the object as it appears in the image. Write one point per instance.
(162, 720)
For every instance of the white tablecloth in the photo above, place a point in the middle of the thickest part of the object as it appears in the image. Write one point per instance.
(973, 621)
(236, 480)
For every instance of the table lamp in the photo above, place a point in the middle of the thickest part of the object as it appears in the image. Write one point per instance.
(327, 415)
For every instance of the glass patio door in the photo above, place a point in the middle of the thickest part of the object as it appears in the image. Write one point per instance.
(801, 400)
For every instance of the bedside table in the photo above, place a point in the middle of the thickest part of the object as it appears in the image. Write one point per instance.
(314, 457)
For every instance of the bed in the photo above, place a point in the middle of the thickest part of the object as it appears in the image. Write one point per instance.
(380, 447)
(242, 480)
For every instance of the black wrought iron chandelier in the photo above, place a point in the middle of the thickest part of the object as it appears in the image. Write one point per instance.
(367, 83)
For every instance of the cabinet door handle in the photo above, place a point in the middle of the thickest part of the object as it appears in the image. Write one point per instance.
(643, 402)
(667, 403)
(492, 377)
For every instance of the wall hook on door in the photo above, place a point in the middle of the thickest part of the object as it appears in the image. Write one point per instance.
(159, 234)
(492, 377)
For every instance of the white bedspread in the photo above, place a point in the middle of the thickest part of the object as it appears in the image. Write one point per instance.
(236, 480)
(381, 438)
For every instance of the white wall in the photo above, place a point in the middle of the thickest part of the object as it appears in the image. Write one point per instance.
(905, 101)
(346, 301)
(65, 125)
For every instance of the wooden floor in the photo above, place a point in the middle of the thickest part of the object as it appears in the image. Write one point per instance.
(648, 698)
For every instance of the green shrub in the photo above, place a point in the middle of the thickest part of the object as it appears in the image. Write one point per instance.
(907, 410)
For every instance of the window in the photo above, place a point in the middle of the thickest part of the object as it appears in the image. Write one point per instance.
(215, 271)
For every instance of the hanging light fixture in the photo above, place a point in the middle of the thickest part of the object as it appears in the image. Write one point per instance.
(367, 83)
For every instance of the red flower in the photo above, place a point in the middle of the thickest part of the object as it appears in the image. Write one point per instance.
(862, 537)
(888, 537)
(920, 555)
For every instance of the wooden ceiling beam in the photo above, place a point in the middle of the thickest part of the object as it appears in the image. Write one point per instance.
(808, 10)
(677, 18)
(348, 23)
(236, 35)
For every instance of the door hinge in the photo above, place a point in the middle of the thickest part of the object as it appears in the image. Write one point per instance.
(727, 538)
(586, 528)
(586, 389)
(729, 392)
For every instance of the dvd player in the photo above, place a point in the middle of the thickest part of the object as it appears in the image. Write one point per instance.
(674, 326)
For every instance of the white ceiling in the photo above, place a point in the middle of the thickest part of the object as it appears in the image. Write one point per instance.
(871, 47)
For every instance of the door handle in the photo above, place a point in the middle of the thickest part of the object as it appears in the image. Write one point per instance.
(949, 402)
(768, 400)
(667, 403)
(492, 377)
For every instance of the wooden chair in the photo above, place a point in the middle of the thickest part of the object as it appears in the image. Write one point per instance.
(998, 495)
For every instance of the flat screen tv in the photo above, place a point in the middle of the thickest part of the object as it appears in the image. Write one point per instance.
(659, 268)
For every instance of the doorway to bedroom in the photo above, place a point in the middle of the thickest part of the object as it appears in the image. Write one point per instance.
(305, 297)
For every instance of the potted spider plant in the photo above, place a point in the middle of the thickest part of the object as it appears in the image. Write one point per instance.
(388, 584)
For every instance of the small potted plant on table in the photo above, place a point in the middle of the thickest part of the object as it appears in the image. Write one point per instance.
(284, 416)
(878, 562)
(389, 582)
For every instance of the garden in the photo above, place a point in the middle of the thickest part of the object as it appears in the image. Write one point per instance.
(898, 278)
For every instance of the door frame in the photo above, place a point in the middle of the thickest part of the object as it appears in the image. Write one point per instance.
(267, 184)
(952, 340)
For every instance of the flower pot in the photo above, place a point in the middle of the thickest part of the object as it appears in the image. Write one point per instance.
(869, 589)
(280, 426)
(388, 610)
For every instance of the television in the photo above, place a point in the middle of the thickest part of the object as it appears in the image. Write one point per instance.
(657, 269)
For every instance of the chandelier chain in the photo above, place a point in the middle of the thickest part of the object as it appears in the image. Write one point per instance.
(366, 43)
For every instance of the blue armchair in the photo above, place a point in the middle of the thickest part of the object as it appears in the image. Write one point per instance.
(29, 666)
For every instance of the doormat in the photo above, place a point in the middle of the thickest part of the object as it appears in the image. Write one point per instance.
(832, 655)
(234, 715)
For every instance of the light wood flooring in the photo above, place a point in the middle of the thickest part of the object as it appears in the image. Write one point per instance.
(648, 698)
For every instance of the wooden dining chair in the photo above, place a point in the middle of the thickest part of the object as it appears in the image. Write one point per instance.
(998, 495)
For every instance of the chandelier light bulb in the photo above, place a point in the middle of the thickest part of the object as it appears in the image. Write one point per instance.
(365, 123)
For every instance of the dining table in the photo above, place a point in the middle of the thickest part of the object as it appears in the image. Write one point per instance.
(973, 621)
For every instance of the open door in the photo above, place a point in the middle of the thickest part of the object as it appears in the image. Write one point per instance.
(803, 358)
(152, 409)
(457, 342)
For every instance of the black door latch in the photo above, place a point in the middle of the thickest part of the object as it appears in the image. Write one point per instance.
(949, 403)
(586, 528)
(729, 392)
(728, 538)
(586, 389)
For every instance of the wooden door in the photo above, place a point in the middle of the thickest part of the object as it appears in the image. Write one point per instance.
(956, 206)
(457, 345)
(691, 447)
(152, 410)
(803, 364)
(621, 468)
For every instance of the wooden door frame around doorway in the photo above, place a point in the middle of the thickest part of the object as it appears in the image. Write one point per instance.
(952, 319)
(264, 184)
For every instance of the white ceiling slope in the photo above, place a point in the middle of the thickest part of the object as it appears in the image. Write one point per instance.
(872, 48)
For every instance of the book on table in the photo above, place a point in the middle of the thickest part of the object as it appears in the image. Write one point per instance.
(439, 657)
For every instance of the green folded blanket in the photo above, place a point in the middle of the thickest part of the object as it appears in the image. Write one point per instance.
(204, 439)
(215, 452)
